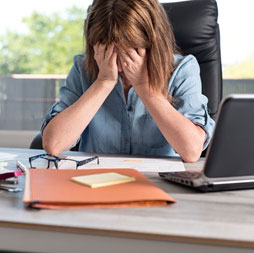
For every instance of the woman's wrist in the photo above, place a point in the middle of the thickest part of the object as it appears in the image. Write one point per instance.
(146, 92)
(105, 83)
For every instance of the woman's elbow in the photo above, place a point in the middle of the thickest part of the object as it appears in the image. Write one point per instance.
(193, 154)
(194, 148)
(49, 149)
(190, 158)
(50, 145)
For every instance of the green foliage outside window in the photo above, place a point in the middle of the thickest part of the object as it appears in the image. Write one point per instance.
(51, 41)
(241, 70)
(47, 47)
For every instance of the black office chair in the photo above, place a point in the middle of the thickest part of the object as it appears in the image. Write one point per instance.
(197, 32)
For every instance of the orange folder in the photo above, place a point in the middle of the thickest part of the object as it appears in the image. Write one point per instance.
(54, 189)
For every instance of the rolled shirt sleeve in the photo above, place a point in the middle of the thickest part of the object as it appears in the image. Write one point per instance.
(186, 89)
(69, 93)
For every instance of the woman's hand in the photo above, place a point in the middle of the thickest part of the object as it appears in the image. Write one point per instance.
(135, 67)
(106, 58)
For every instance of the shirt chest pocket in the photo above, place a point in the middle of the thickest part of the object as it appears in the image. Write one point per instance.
(151, 134)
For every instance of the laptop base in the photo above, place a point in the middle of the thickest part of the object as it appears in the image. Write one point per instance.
(198, 183)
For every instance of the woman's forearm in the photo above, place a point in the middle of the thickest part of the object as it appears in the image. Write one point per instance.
(186, 138)
(66, 127)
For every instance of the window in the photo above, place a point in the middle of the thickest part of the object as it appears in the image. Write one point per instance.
(37, 45)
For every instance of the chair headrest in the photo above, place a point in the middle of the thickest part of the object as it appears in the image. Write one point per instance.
(197, 32)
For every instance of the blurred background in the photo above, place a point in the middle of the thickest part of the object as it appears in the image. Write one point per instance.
(38, 40)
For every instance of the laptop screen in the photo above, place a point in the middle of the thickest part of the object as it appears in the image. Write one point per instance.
(231, 152)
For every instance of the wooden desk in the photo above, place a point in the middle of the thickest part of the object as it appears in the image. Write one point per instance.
(198, 222)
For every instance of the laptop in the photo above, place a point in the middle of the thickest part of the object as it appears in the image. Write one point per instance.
(229, 163)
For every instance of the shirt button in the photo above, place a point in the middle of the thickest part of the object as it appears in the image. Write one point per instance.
(127, 141)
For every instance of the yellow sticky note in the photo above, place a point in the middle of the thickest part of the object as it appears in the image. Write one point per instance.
(103, 179)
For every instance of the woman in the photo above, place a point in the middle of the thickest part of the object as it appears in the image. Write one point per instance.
(130, 93)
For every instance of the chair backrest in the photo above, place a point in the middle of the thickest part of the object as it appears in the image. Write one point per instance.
(36, 142)
(197, 32)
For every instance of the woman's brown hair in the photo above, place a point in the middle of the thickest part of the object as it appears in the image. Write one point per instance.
(135, 24)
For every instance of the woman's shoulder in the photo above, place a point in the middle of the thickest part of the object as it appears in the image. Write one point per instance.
(186, 70)
(78, 61)
(79, 58)
(78, 68)
(77, 76)
(185, 62)
(185, 65)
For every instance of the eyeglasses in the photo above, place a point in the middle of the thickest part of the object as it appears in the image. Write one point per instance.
(36, 161)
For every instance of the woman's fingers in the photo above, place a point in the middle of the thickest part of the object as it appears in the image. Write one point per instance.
(134, 65)
(101, 50)
(98, 51)
(133, 56)
(130, 56)
(106, 58)
(141, 52)
(109, 51)
(113, 58)
(95, 47)
(126, 60)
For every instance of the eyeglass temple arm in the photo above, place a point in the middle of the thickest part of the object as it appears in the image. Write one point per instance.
(89, 160)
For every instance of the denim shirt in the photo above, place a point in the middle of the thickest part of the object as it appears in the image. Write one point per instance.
(120, 127)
